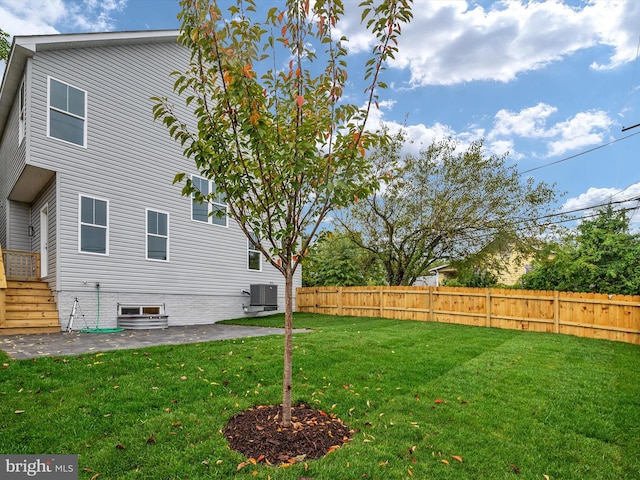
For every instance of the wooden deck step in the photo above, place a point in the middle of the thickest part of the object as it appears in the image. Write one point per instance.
(30, 308)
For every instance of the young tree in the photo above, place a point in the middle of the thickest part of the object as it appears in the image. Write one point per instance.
(272, 129)
(444, 205)
(600, 256)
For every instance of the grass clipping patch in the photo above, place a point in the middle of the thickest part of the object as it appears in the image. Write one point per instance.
(258, 434)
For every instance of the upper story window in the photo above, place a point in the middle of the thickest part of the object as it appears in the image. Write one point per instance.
(253, 254)
(94, 225)
(157, 235)
(67, 113)
(215, 210)
(22, 123)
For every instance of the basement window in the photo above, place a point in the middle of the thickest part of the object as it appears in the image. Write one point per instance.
(140, 310)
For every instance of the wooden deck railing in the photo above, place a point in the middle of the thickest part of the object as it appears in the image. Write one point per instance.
(22, 266)
(611, 317)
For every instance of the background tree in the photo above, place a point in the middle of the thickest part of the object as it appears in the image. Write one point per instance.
(335, 260)
(444, 204)
(601, 256)
(279, 143)
(5, 46)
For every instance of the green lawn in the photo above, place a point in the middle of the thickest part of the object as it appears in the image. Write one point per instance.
(509, 404)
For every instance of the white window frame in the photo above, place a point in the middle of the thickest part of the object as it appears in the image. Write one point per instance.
(211, 205)
(251, 248)
(22, 111)
(80, 224)
(148, 234)
(140, 309)
(49, 108)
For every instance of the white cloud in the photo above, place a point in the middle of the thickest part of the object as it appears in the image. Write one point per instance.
(37, 17)
(454, 41)
(528, 122)
(582, 130)
(24, 17)
(594, 197)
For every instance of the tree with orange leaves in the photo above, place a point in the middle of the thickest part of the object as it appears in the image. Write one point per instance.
(280, 143)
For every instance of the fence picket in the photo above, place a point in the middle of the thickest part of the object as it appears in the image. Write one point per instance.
(611, 317)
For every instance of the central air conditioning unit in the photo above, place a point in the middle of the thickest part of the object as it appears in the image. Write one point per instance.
(263, 298)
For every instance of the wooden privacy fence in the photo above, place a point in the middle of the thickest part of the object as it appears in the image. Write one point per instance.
(610, 317)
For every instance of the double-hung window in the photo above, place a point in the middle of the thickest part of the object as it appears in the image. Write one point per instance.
(22, 127)
(254, 256)
(212, 211)
(67, 113)
(94, 225)
(157, 235)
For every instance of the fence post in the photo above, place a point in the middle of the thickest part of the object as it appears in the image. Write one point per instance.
(381, 302)
(431, 313)
(556, 311)
(339, 300)
(488, 307)
(315, 300)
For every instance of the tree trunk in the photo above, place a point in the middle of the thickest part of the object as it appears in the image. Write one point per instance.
(288, 349)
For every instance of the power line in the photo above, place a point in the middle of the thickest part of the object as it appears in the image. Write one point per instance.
(580, 153)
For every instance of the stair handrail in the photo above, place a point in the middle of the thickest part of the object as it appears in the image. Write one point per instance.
(3, 288)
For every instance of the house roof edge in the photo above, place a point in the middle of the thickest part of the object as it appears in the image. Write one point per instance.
(25, 46)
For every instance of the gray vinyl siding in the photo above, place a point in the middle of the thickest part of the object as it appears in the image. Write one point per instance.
(130, 161)
(19, 238)
(12, 161)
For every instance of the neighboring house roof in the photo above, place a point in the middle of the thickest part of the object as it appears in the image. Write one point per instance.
(24, 47)
(435, 269)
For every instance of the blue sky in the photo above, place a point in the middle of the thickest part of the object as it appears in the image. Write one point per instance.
(542, 80)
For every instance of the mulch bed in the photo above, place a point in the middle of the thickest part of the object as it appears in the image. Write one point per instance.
(258, 434)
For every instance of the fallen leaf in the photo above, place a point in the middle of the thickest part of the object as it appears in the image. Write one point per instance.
(333, 448)
(410, 472)
(253, 461)
(151, 439)
(120, 446)
(96, 476)
(514, 468)
(445, 461)
(456, 457)
(242, 465)
(18, 412)
(546, 477)
(438, 400)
